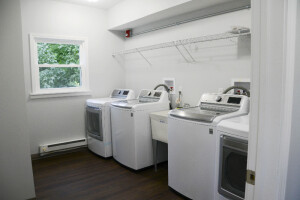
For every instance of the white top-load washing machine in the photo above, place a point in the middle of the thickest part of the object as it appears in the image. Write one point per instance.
(192, 143)
(98, 126)
(231, 158)
(131, 130)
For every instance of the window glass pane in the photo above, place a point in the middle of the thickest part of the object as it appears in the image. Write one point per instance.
(60, 77)
(49, 53)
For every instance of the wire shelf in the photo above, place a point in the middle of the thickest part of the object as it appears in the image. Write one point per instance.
(227, 35)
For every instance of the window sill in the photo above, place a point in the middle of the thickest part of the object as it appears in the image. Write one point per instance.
(59, 94)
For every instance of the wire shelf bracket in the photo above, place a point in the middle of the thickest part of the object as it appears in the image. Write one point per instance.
(143, 56)
(188, 52)
(181, 52)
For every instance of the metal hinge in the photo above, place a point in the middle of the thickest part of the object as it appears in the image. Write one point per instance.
(250, 177)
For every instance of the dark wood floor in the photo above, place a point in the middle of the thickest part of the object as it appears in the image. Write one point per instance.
(83, 175)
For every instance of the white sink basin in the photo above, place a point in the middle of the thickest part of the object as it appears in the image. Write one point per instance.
(159, 125)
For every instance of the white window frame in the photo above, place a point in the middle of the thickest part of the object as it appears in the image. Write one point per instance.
(37, 92)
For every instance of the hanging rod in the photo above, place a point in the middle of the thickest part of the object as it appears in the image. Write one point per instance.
(183, 42)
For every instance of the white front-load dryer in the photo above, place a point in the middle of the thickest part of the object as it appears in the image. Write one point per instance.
(98, 123)
(192, 143)
(231, 158)
(131, 130)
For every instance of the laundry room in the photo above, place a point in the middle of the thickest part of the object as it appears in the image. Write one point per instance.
(131, 99)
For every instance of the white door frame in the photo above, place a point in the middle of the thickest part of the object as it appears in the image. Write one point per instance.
(272, 79)
(288, 85)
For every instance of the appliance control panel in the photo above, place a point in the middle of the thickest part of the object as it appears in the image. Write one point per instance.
(122, 94)
(151, 95)
(223, 102)
(225, 99)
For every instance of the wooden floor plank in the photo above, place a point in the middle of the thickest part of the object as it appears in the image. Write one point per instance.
(84, 175)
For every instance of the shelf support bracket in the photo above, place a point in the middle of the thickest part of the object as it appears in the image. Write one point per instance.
(143, 56)
(118, 60)
(181, 53)
(187, 51)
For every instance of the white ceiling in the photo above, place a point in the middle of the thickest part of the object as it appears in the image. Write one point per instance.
(102, 4)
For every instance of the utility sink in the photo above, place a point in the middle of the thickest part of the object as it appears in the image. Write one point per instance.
(159, 125)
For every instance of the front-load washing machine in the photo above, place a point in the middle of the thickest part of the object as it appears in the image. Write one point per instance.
(231, 158)
(131, 130)
(98, 126)
(192, 143)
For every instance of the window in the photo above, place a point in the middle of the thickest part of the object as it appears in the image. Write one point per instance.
(58, 65)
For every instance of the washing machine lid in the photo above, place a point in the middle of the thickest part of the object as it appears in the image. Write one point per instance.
(128, 104)
(197, 114)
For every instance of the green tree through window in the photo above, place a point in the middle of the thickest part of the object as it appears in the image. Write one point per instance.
(59, 77)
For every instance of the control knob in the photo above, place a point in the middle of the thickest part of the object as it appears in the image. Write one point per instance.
(218, 98)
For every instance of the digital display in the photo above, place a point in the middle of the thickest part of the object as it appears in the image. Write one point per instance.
(234, 100)
(125, 92)
(157, 94)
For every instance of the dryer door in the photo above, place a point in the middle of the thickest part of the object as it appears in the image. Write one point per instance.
(94, 122)
(232, 167)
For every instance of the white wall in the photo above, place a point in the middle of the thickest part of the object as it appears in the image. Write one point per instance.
(16, 180)
(216, 69)
(293, 178)
(62, 119)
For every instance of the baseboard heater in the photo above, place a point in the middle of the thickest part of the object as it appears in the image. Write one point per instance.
(62, 146)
